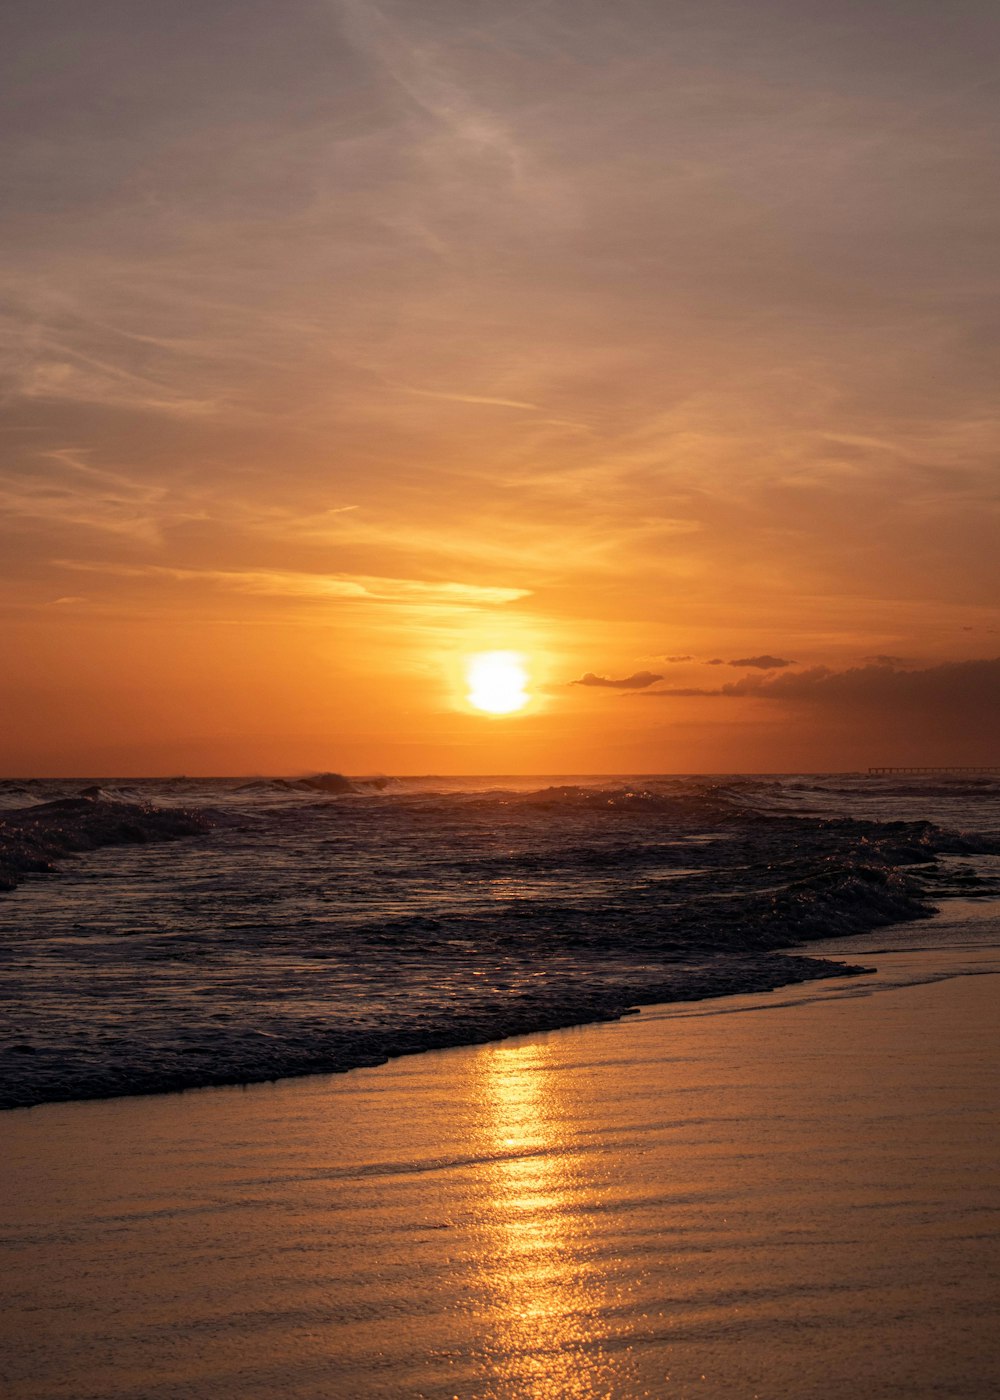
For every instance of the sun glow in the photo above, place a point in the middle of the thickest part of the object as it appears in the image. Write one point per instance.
(497, 681)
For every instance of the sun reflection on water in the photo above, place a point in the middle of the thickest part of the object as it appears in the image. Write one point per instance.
(546, 1283)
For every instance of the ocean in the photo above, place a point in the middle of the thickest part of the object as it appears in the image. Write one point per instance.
(290, 927)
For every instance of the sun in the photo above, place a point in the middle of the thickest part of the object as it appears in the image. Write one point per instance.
(497, 681)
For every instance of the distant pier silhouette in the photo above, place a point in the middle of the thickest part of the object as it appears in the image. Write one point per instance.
(973, 768)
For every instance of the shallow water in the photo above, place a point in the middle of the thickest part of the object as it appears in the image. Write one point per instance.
(310, 930)
(789, 1195)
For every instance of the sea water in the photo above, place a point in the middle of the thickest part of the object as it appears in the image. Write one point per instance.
(324, 924)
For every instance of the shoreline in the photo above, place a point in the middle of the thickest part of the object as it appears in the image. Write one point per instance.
(707, 982)
(739, 1197)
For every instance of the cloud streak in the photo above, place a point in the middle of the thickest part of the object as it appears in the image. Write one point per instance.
(62, 488)
(273, 583)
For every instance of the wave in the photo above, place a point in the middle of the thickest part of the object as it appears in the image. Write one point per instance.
(318, 929)
(957, 786)
(34, 839)
(330, 784)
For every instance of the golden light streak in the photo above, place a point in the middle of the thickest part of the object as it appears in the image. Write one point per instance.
(548, 1319)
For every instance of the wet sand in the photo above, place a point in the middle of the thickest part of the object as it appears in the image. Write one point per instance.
(791, 1194)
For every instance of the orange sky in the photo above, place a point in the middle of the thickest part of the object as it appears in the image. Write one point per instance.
(344, 343)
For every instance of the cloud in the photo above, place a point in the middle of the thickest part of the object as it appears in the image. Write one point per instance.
(281, 583)
(677, 692)
(676, 660)
(763, 663)
(952, 685)
(638, 681)
(954, 689)
(61, 487)
(453, 120)
(59, 373)
(881, 660)
(484, 399)
(760, 663)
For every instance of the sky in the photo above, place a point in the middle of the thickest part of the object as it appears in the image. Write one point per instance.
(653, 344)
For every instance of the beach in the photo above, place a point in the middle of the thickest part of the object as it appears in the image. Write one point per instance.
(789, 1194)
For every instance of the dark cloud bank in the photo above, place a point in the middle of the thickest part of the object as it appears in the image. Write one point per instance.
(955, 688)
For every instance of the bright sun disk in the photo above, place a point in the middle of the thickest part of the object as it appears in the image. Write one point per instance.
(497, 681)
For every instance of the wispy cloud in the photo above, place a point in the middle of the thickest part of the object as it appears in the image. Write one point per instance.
(62, 488)
(421, 72)
(453, 397)
(61, 374)
(318, 587)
